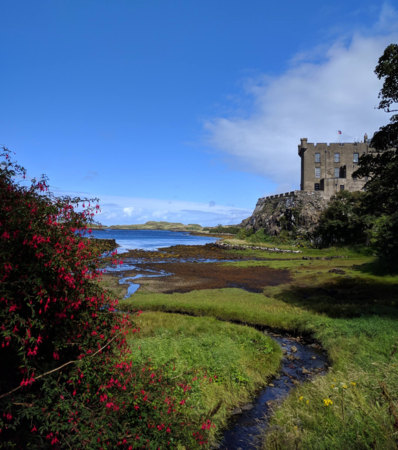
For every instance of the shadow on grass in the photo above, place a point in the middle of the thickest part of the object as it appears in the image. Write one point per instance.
(345, 298)
(380, 268)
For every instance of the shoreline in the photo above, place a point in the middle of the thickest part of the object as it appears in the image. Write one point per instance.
(190, 232)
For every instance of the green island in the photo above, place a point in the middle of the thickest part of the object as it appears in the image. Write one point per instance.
(173, 226)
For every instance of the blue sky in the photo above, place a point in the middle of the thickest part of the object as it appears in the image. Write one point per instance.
(185, 110)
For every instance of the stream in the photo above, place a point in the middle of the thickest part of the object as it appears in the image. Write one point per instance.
(248, 423)
(302, 360)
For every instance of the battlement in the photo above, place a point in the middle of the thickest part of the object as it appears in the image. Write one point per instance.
(289, 194)
(334, 146)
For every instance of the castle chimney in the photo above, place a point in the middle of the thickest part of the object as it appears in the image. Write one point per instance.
(303, 142)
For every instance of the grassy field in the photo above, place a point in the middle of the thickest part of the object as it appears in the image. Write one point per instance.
(353, 315)
(237, 359)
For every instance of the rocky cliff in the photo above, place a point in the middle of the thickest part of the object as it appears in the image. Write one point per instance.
(296, 212)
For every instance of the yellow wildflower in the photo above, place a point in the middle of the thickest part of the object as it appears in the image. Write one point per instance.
(344, 386)
(332, 385)
(353, 383)
(307, 402)
(327, 402)
(301, 398)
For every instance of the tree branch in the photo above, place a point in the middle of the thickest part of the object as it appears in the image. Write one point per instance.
(59, 368)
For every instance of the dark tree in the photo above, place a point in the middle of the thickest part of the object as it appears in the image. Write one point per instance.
(381, 166)
(344, 222)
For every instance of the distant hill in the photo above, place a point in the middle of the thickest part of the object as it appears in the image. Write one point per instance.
(152, 225)
(175, 226)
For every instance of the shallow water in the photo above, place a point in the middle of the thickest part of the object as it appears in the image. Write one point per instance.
(247, 429)
(150, 239)
(133, 287)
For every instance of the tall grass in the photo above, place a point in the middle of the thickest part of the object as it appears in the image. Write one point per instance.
(233, 360)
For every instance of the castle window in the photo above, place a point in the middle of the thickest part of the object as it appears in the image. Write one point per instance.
(337, 157)
(356, 157)
(341, 187)
(337, 172)
(317, 172)
(317, 157)
(317, 186)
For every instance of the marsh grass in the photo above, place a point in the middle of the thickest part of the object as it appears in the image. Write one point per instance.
(355, 319)
(357, 252)
(236, 360)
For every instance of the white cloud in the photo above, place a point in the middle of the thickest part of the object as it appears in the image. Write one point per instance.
(128, 211)
(325, 90)
(117, 210)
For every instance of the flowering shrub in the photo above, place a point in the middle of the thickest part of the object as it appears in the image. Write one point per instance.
(66, 375)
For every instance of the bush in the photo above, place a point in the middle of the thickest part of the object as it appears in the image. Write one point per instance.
(384, 238)
(344, 222)
(69, 381)
(223, 229)
(244, 233)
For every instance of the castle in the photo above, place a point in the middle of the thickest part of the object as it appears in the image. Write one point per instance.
(325, 170)
(328, 168)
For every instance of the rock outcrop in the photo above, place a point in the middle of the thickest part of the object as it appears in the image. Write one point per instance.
(296, 212)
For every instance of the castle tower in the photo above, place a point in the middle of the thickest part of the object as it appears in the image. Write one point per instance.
(329, 168)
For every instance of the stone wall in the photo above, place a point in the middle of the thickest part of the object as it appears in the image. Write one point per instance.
(296, 212)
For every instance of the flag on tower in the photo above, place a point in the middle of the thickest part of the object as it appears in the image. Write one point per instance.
(339, 132)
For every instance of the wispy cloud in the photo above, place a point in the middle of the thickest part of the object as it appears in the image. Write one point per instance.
(132, 210)
(328, 88)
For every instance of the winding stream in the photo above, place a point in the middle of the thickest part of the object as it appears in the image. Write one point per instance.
(247, 427)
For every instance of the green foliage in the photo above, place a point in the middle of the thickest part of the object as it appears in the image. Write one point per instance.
(69, 381)
(382, 166)
(260, 236)
(344, 222)
(223, 229)
(244, 233)
(384, 237)
(387, 68)
(284, 238)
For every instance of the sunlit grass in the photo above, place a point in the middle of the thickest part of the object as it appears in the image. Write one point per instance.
(238, 359)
